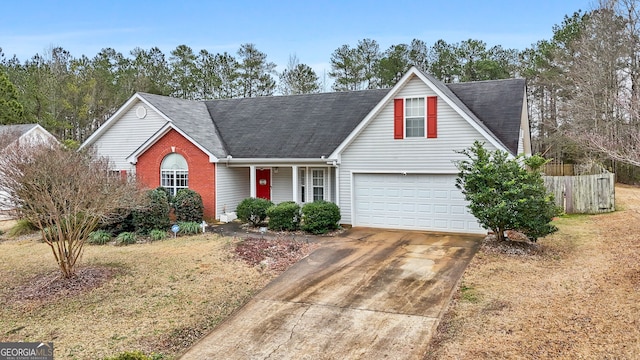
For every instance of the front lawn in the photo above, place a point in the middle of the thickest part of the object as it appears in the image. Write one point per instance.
(158, 297)
(576, 296)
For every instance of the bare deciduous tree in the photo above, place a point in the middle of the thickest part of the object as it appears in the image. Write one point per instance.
(602, 110)
(66, 194)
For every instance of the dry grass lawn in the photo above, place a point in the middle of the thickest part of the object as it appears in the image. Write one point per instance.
(161, 298)
(577, 298)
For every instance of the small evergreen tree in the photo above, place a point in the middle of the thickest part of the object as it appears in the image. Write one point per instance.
(504, 195)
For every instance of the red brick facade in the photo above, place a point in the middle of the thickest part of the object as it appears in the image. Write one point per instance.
(202, 177)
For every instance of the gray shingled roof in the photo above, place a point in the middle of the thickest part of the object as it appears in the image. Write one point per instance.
(498, 104)
(313, 125)
(297, 126)
(192, 118)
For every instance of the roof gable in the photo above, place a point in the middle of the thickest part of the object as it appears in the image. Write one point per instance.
(296, 126)
(445, 94)
(192, 118)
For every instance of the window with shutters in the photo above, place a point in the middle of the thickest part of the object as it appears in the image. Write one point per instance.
(414, 117)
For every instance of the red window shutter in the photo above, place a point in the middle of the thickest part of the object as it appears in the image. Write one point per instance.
(123, 174)
(398, 118)
(432, 117)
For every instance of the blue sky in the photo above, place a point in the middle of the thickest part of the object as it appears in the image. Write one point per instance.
(310, 29)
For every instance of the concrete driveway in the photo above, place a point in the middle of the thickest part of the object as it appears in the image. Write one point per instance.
(369, 294)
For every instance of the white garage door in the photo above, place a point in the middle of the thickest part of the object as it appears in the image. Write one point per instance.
(413, 202)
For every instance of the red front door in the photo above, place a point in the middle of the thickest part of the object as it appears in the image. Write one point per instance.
(263, 183)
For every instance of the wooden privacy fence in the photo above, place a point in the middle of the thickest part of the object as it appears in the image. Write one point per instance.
(583, 194)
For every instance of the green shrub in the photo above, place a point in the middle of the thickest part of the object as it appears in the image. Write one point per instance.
(253, 210)
(189, 227)
(1, 232)
(22, 227)
(188, 206)
(99, 237)
(320, 216)
(154, 214)
(130, 355)
(284, 216)
(157, 234)
(126, 238)
(166, 191)
(504, 195)
(120, 221)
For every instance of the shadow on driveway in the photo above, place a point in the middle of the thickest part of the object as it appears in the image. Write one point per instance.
(368, 294)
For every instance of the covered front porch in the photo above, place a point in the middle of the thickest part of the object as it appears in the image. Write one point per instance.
(276, 181)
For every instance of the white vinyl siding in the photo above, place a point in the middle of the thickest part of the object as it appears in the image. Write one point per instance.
(281, 184)
(127, 134)
(375, 149)
(232, 186)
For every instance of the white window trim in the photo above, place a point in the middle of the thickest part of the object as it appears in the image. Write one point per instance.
(324, 183)
(173, 173)
(424, 116)
(305, 178)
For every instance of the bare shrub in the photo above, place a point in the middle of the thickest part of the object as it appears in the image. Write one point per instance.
(66, 194)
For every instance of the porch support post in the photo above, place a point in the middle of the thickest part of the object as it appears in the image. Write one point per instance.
(294, 181)
(329, 185)
(252, 180)
(337, 170)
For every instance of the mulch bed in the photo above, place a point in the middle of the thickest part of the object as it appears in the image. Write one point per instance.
(274, 254)
(53, 285)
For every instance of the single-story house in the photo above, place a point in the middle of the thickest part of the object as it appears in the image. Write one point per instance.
(386, 157)
(21, 134)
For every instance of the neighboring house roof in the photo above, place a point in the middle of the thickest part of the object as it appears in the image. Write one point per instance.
(296, 126)
(192, 118)
(496, 103)
(15, 132)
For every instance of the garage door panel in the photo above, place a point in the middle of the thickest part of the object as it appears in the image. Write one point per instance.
(458, 210)
(413, 201)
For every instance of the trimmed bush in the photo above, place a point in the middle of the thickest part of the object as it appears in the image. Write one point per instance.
(123, 222)
(284, 216)
(319, 217)
(253, 210)
(99, 237)
(155, 213)
(188, 206)
(166, 191)
(157, 235)
(189, 227)
(126, 238)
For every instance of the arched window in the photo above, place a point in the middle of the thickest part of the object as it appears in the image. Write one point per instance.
(174, 173)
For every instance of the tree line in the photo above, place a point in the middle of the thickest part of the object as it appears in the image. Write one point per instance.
(72, 96)
(582, 84)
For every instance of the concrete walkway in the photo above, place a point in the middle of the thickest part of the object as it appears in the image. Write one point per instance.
(369, 294)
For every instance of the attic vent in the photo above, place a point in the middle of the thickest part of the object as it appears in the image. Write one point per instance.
(141, 112)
